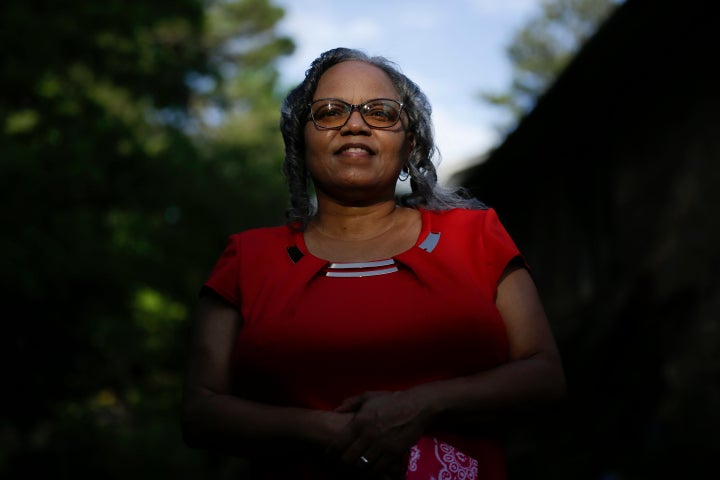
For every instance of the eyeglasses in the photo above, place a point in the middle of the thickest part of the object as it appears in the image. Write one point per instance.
(333, 113)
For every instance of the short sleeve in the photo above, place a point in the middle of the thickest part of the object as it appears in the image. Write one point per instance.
(500, 248)
(224, 278)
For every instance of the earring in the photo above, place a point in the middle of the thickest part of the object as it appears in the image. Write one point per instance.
(404, 175)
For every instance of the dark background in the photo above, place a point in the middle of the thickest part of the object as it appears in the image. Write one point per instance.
(118, 196)
(610, 187)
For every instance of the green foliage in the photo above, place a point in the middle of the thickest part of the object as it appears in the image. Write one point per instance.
(118, 195)
(543, 47)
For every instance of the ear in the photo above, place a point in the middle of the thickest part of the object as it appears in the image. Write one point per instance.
(410, 137)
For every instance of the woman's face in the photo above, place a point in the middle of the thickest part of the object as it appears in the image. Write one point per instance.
(356, 163)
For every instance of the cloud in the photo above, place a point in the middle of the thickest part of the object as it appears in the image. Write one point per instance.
(460, 139)
(492, 7)
(452, 50)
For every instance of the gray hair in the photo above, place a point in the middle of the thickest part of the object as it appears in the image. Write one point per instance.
(425, 190)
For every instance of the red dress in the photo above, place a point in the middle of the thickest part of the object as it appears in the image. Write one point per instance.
(316, 333)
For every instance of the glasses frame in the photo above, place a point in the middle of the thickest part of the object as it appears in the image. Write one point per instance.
(353, 107)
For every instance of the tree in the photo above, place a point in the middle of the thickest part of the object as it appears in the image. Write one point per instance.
(118, 195)
(542, 48)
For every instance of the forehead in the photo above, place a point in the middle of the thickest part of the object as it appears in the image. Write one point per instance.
(355, 81)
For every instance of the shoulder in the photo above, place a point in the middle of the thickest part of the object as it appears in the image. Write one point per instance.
(262, 234)
(470, 227)
(257, 242)
(259, 251)
(461, 217)
(478, 236)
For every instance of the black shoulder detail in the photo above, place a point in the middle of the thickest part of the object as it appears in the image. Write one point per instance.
(295, 253)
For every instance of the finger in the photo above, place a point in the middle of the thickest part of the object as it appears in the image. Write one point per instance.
(356, 455)
(342, 433)
(364, 462)
(383, 462)
(350, 404)
(380, 464)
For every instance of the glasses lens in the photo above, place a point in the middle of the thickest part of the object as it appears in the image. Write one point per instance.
(330, 113)
(333, 113)
(381, 113)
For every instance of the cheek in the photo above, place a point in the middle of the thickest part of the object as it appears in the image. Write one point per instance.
(307, 139)
(315, 141)
(406, 149)
(314, 151)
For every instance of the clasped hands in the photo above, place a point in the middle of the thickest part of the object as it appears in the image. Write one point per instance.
(380, 429)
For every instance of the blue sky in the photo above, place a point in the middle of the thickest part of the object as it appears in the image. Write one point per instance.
(453, 49)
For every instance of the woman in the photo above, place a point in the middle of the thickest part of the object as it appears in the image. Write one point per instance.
(365, 335)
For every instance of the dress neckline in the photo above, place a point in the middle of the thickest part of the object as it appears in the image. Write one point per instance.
(298, 239)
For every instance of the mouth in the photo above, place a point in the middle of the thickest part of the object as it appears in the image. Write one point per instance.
(355, 149)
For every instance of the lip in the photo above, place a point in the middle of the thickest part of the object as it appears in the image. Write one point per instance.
(355, 149)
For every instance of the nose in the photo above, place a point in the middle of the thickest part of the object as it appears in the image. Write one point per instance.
(355, 122)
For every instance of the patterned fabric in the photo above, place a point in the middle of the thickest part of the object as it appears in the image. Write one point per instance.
(433, 459)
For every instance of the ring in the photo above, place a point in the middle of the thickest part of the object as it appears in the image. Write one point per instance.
(364, 460)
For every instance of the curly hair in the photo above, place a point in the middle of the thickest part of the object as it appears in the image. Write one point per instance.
(425, 190)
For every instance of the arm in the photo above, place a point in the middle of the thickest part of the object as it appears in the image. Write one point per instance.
(214, 418)
(388, 423)
(533, 376)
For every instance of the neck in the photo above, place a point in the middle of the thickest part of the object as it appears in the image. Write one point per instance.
(355, 223)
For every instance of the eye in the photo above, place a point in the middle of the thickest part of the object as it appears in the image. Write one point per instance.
(384, 112)
(329, 110)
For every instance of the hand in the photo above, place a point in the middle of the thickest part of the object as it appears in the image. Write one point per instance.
(383, 429)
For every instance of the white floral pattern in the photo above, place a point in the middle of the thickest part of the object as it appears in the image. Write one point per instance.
(433, 459)
(455, 465)
(414, 457)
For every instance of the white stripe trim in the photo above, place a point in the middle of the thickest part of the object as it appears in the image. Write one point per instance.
(377, 263)
(365, 273)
